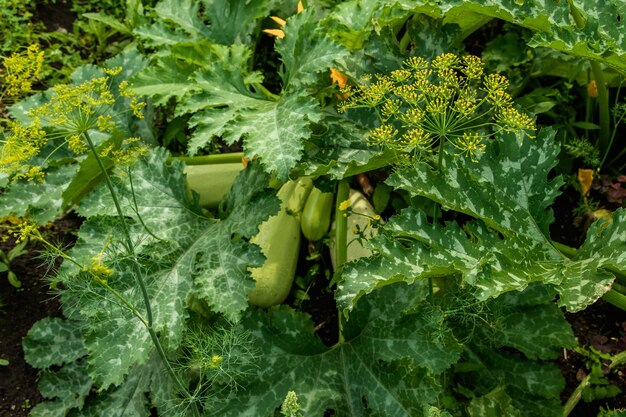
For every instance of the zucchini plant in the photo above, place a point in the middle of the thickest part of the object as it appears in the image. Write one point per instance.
(449, 290)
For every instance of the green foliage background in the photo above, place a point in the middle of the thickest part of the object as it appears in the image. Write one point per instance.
(484, 349)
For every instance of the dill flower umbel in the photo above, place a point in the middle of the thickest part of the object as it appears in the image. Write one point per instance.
(20, 70)
(68, 119)
(424, 105)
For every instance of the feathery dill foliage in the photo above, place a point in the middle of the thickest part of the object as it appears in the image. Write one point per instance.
(215, 361)
(425, 104)
(71, 112)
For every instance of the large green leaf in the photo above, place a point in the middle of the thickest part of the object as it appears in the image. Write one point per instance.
(226, 107)
(53, 341)
(233, 21)
(67, 388)
(508, 191)
(42, 202)
(222, 21)
(340, 151)
(166, 79)
(180, 253)
(601, 38)
(385, 363)
(306, 51)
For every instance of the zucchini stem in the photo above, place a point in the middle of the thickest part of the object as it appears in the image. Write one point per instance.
(341, 229)
(224, 158)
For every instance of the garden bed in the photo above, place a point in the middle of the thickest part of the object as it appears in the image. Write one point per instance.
(312, 208)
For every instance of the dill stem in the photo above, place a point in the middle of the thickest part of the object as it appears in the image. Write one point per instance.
(129, 242)
(138, 274)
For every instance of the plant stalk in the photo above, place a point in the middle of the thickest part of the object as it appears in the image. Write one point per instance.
(341, 224)
(138, 274)
(603, 94)
(224, 158)
(616, 298)
(573, 400)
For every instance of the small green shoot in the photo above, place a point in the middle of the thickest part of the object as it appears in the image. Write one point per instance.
(7, 258)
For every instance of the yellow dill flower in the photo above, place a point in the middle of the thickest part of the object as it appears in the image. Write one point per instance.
(437, 105)
(128, 153)
(449, 100)
(401, 75)
(137, 107)
(344, 205)
(413, 117)
(390, 108)
(471, 145)
(381, 135)
(105, 123)
(70, 113)
(77, 144)
(25, 229)
(20, 69)
(112, 71)
(494, 82)
(416, 63)
(21, 144)
(216, 360)
(511, 120)
(445, 61)
(473, 67)
(34, 173)
(416, 139)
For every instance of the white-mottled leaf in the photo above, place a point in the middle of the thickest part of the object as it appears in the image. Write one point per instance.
(53, 341)
(385, 361)
(507, 191)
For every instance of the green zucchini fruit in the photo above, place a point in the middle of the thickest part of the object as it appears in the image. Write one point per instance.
(212, 181)
(316, 214)
(279, 239)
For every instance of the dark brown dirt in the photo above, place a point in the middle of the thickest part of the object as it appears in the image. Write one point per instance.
(603, 327)
(22, 308)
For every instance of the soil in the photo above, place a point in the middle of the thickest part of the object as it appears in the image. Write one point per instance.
(21, 308)
(603, 327)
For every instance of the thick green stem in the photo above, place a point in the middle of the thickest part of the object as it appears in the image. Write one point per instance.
(598, 76)
(341, 236)
(404, 41)
(564, 249)
(224, 158)
(575, 397)
(137, 271)
(616, 298)
(341, 224)
(266, 93)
